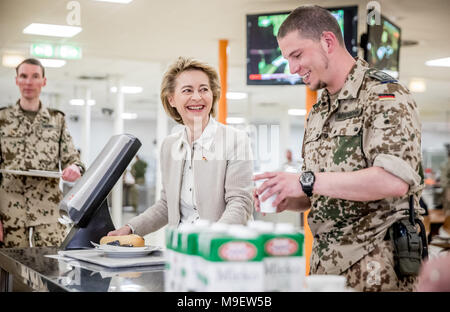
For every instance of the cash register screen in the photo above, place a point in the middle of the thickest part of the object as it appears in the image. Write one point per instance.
(94, 186)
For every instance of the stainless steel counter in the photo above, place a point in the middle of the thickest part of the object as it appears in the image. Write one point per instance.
(32, 267)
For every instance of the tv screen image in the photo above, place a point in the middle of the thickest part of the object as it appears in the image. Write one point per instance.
(266, 65)
(383, 46)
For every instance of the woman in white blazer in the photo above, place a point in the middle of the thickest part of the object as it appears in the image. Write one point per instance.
(206, 167)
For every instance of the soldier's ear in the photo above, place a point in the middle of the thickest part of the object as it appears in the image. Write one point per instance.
(328, 41)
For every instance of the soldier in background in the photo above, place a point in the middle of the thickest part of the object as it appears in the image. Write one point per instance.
(290, 165)
(361, 152)
(33, 137)
(138, 170)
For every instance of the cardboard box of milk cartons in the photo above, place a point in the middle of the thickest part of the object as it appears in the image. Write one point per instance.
(233, 260)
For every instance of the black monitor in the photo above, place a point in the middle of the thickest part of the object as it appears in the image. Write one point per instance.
(85, 205)
(382, 48)
(265, 64)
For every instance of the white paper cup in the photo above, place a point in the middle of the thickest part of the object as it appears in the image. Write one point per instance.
(266, 206)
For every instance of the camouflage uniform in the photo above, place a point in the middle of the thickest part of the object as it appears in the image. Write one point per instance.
(27, 201)
(373, 122)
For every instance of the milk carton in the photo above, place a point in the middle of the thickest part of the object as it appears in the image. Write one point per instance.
(284, 263)
(214, 230)
(169, 262)
(191, 262)
(176, 261)
(233, 260)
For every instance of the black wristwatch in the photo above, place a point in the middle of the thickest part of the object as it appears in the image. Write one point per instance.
(307, 180)
(81, 169)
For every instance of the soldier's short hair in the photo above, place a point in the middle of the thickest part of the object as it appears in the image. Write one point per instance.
(31, 61)
(311, 21)
(169, 80)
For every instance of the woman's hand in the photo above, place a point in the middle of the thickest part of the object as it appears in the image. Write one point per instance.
(124, 230)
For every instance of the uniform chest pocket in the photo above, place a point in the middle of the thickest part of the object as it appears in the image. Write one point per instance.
(49, 133)
(12, 132)
(11, 143)
(310, 148)
(346, 136)
(312, 135)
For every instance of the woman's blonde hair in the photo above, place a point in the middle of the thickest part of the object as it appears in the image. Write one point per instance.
(169, 81)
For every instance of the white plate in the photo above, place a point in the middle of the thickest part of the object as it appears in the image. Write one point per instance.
(124, 252)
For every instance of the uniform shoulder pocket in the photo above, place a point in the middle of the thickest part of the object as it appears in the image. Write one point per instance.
(385, 120)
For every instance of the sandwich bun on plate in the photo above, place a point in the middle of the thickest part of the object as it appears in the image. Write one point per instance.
(131, 240)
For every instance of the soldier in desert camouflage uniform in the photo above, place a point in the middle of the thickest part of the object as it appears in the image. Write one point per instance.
(33, 137)
(361, 151)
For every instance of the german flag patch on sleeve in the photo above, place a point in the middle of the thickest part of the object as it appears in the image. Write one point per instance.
(386, 96)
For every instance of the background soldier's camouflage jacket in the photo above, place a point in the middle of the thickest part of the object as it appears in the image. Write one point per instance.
(42, 145)
(373, 122)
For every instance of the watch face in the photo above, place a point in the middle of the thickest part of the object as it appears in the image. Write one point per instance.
(307, 178)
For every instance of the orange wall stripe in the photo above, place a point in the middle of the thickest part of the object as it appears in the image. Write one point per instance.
(311, 99)
(223, 70)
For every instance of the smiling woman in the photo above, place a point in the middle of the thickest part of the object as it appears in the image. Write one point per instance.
(192, 99)
(206, 167)
(178, 80)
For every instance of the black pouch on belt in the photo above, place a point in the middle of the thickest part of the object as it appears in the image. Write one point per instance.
(407, 248)
(410, 246)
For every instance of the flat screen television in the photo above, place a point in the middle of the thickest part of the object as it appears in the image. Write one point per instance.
(382, 49)
(266, 65)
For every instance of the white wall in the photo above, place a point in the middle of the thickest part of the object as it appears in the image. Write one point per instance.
(102, 129)
(435, 135)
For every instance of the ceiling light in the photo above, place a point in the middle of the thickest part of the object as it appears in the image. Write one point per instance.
(417, 85)
(129, 115)
(12, 60)
(80, 102)
(236, 95)
(128, 90)
(442, 62)
(235, 120)
(52, 62)
(116, 1)
(297, 112)
(52, 30)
